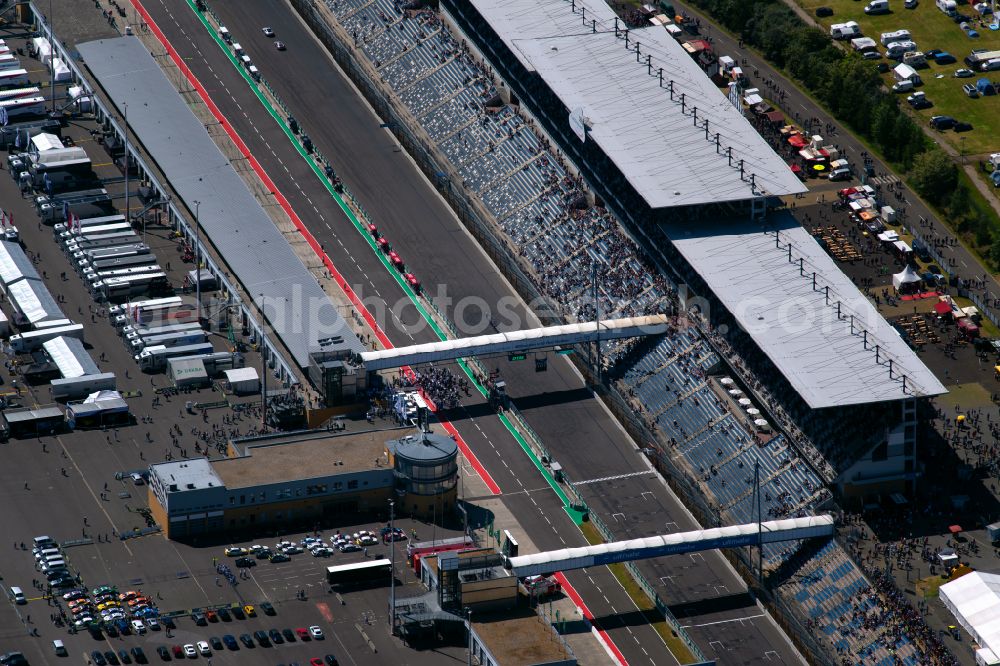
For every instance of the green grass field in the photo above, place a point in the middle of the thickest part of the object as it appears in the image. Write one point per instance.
(931, 29)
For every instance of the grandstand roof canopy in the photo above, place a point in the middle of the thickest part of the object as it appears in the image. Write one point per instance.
(661, 151)
(790, 320)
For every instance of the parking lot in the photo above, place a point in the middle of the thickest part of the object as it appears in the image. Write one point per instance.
(179, 579)
(75, 487)
(930, 30)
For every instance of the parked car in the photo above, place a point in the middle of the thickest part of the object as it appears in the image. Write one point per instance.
(139, 655)
(971, 90)
(244, 562)
(163, 652)
(246, 639)
(316, 632)
(910, 4)
(230, 642)
(267, 608)
(961, 126)
(942, 122)
(963, 73)
(944, 58)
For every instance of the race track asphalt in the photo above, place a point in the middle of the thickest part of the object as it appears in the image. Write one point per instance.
(574, 426)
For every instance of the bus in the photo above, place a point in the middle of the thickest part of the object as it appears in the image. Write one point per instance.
(145, 304)
(89, 222)
(16, 93)
(359, 573)
(16, 107)
(121, 288)
(85, 233)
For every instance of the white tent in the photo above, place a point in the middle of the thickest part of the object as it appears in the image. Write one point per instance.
(906, 276)
(45, 141)
(974, 600)
(948, 557)
(243, 380)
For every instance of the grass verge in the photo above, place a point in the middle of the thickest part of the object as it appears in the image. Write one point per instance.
(645, 605)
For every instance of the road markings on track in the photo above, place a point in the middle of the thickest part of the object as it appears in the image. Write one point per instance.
(86, 483)
(733, 619)
(613, 478)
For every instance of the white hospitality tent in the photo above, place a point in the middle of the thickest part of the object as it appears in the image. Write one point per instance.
(243, 380)
(974, 600)
(907, 276)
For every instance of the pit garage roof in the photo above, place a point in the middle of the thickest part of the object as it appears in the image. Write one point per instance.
(33, 300)
(660, 149)
(297, 308)
(14, 264)
(793, 323)
(70, 356)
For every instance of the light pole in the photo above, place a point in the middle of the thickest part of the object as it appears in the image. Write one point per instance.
(468, 615)
(128, 215)
(197, 255)
(392, 571)
(52, 54)
(263, 366)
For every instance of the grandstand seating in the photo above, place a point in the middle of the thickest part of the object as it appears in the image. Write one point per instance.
(834, 594)
(502, 160)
